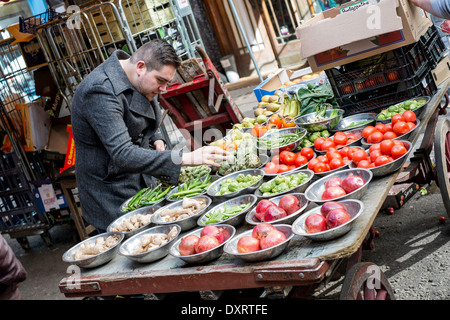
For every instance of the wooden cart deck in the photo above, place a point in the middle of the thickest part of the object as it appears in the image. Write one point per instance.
(304, 262)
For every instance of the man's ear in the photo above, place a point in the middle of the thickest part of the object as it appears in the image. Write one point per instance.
(141, 68)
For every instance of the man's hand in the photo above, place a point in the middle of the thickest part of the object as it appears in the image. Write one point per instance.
(205, 155)
(159, 145)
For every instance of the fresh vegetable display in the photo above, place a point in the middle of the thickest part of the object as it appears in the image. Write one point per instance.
(146, 197)
(338, 140)
(278, 140)
(191, 188)
(264, 235)
(267, 211)
(400, 108)
(224, 213)
(282, 183)
(400, 125)
(245, 157)
(357, 124)
(288, 160)
(333, 159)
(313, 96)
(380, 154)
(336, 187)
(210, 237)
(332, 214)
(242, 181)
(190, 173)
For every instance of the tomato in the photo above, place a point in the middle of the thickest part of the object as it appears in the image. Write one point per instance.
(271, 168)
(276, 159)
(397, 151)
(258, 130)
(340, 138)
(409, 116)
(381, 160)
(386, 146)
(327, 144)
(375, 137)
(322, 158)
(396, 118)
(336, 163)
(276, 120)
(344, 151)
(379, 126)
(282, 168)
(307, 152)
(333, 155)
(359, 155)
(351, 136)
(292, 167)
(367, 131)
(373, 147)
(411, 125)
(287, 157)
(389, 135)
(400, 128)
(300, 160)
(320, 167)
(351, 151)
(387, 127)
(375, 154)
(312, 163)
(288, 122)
(364, 164)
(318, 143)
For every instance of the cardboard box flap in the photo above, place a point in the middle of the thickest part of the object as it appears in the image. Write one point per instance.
(366, 22)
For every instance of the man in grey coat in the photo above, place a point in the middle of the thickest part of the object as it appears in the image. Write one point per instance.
(114, 123)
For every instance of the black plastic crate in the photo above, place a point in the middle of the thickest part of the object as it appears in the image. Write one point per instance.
(420, 85)
(433, 46)
(376, 72)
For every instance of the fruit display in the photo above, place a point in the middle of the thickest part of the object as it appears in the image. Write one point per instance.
(273, 122)
(242, 181)
(268, 211)
(400, 108)
(288, 160)
(210, 237)
(400, 124)
(380, 154)
(332, 214)
(333, 159)
(338, 140)
(264, 235)
(244, 157)
(336, 187)
(282, 183)
(311, 137)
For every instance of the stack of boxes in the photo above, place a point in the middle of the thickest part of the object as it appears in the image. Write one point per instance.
(107, 28)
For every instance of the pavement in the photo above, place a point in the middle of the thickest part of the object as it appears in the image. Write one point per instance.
(412, 246)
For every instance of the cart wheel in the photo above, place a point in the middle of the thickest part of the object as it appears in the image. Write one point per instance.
(442, 156)
(365, 281)
(23, 241)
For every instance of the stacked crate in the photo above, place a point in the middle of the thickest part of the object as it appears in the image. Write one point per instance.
(377, 82)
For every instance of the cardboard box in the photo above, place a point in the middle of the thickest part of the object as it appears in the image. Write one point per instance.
(360, 29)
(58, 139)
(399, 194)
(442, 71)
(104, 13)
(278, 80)
(47, 198)
(36, 125)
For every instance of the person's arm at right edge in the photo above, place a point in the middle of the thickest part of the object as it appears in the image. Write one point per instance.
(438, 8)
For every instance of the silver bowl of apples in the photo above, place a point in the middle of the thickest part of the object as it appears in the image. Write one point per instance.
(265, 241)
(281, 209)
(328, 221)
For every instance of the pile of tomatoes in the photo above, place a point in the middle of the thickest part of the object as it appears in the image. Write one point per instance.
(333, 159)
(338, 140)
(380, 154)
(400, 125)
(288, 160)
(275, 121)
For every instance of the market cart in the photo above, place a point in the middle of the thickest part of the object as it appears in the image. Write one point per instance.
(303, 265)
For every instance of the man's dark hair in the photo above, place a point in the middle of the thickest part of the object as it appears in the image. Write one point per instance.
(156, 54)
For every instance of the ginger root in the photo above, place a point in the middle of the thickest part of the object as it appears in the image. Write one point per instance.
(101, 244)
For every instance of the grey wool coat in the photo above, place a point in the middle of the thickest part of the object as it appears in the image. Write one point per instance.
(113, 126)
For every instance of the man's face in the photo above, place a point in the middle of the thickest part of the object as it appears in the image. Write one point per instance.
(152, 83)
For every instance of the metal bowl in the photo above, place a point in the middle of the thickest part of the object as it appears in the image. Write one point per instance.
(268, 176)
(357, 142)
(260, 255)
(315, 190)
(417, 111)
(298, 189)
(405, 136)
(237, 219)
(144, 211)
(327, 124)
(390, 167)
(206, 256)
(278, 133)
(361, 117)
(96, 260)
(174, 190)
(125, 203)
(251, 219)
(129, 246)
(354, 209)
(214, 188)
(186, 223)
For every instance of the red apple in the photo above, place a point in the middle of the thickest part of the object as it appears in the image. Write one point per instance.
(261, 208)
(225, 233)
(315, 222)
(187, 245)
(289, 203)
(212, 231)
(206, 243)
(333, 193)
(272, 238)
(352, 183)
(333, 182)
(248, 244)
(337, 217)
(330, 205)
(261, 230)
(274, 213)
